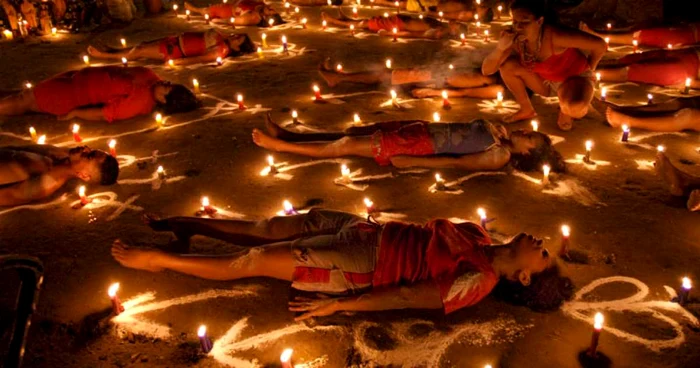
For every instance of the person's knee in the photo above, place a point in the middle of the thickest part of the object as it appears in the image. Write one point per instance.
(510, 66)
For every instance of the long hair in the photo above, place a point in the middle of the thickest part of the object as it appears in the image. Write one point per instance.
(544, 154)
(547, 291)
(180, 99)
(247, 47)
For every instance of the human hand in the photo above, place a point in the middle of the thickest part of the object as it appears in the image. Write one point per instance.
(506, 40)
(323, 306)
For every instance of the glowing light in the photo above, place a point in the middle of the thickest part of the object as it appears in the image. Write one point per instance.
(609, 26)
(28, 85)
(482, 213)
(660, 148)
(368, 203)
(270, 160)
(388, 63)
(295, 114)
(232, 20)
(589, 145)
(112, 144)
(41, 140)
(344, 170)
(598, 321)
(287, 205)
(597, 76)
(687, 83)
(339, 67)
(669, 46)
(123, 42)
(499, 97)
(565, 231)
(160, 171)
(286, 355)
(171, 63)
(436, 117)
(159, 118)
(271, 22)
(76, 128)
(686, 284)
(219, 60)
(545, 170)
(53, 31)
(202, 331)
(356, 118)
(205, 202)
(535, 125)
(625, 128)
(112, 290)
(452, 67)
(393, 94)
(607, 40)
(125, 61)
(86, 60)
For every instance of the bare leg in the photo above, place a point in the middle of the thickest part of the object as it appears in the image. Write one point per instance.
(470, 80)
(19, 104)
(575, 95)
(613, 74)
(334, 78)
(684, 119)
(615, 38)
(517, 78)
(275, 261)
(144, 50)
(679, 182)
(348, 146)
(277, 131)
(345, 22)
(478, 92)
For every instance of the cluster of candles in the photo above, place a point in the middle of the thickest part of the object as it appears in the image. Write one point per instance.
(38, 139)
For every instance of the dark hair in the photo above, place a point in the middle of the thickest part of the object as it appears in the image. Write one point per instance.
(538, 156)
(265, 20)
(536, 7)
(109, 170)
(547, 291)
(246, 47)
(180, 99)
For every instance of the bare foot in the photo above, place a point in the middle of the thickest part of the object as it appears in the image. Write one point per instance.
(265, 141)
(584, 27)
(565, 122)
(94, 52)
(672, 176)
(424, 92)
(694, 200)
(135, 258)
(616, 118)
(272, 128)
(331, 78)
(522, 114)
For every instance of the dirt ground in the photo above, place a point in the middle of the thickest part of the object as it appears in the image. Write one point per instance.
(631, 233)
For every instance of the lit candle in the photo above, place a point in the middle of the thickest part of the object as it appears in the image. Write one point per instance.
(339, 67)
(329, 2)
(354, 12)
(206, 18)
(303, 23)
(175, 9)
(195, 84)
(123, 42)
(284, 44)
(625, 133)
(587, 157)
(352, 30)
(113, 147)
(439, 182)
(76, 135)
(565, 234)
(371, 2)
(260, 53)
(597, 327)
(207, 207)
(500, 10)
(420, 16)
(445, 101)
(686, 90)
(232, 20)
(597, 80)
(32, 133)
(286, 358)
(603, 93)
(324, 24)
(8, 34)
(271, 165)
(545, 174)
(187, 15)
(463, 39)
(393, 97)
(660, 148)
(286, 7)
(650, 98)
(356, 118)
(478, 2)
(478, 26)
(239, 98)
(684, 295)
(86, 60)
(171, 63)
(441, 14)
(499, 99)
(669, 46)
(204, 340)
(271, 22)
(486, 35)
(386, 15)
(161, 172)
(159, 120)
(607, 42)
(345, 173)
(41, 140)
(295, 117)
(219, 60)
(288, 208)
(436, 117)
(482, 216)
(369, 206)
(609, 26)
(296, 12)
(117, 307)
(535, 125)
(635, 45)
(53, 31)
(388, 63)
(317, 93)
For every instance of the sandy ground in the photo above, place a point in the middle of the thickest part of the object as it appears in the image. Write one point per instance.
(621, 209)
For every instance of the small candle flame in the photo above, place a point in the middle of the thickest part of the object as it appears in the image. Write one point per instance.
(41, 140)
(388, 63)
(219, 60)
(112, 290)
(232, 20)
(545, 170)
(598, 321)
(356, 118)
(650, 96)
(304, 21)
(296, 10)
(440, 14)
(352, 27)
(159, 118)
(500, 8)
(451, 67)
(609, 25)
(604, 92)
(123, 41)
(368, 203)
(589, 145)
(270, 160)
(295, 114)
(287, 205)
(324, 23)
(607, 40)
(344, 170)
(393, 94)
(386, 15)
(687, 82)
(206, 16)
(112, 143)
(32, 131)
(160, 170)
(438, 178)
(339, 67)
(535, 125)
(124, 61)
(239, 97)
(202, 331)
(187, 12)
(271, 22)
(205, 201)
(481, 212)
(436, 117)
(286, 355)
(29, 85)
(499, 97)
(81, 191)
(669, 46)
(394, 30)
(444, 94)
(489, 365)
(660, 148)
(565, 231)
(76, 128)
(284, 39)
(175, 7)
(195, 82)
(687, 285)
(635, 43)
(171, 63)
(625, 129)
(476, 16)
(597, 76)
(315, 87)
(86, 59)
(53, 31)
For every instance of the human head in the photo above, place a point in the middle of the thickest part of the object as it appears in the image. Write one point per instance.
(547, 291)
(529, 151)
(175, 98)
(240, 44)
(527, 257)
(272, 14)
(93, 166)
(528, 17)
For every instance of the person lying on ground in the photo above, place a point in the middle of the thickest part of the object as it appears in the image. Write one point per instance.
(457, 84)
(680, 183)
(661, 37)
(184, 49)
(673, 116)
(102, 93)
(669, 68)
(461, 11)
(406, 25)
(359, 265)
(34, 172)
(245, 12)
(547, 59)
(478, 145)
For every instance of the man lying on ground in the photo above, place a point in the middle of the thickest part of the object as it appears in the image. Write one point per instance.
(669, 68)
(457, 84)
(661, 37)
(184, 49)
(102, 93)
(245, 12)
(673, 116)
(478, 145)
(406, 25)
(439, 265)
(680, 183)
(32, 173)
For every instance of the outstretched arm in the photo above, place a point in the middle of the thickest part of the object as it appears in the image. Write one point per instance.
(493, 159)
(422, 295)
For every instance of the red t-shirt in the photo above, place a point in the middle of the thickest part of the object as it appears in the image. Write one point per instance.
(198, 43)
(121, 92)
(226, 11)
(450, 254)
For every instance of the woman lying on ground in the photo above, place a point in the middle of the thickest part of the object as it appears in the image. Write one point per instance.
(673, 116)
(668, 68)
(102, 93)
(457, 84)
(462, 11)
(365, 266)
(406, 25)
(478, 145)
(661, 37)
(549, 60)
(184, 49)
(680, 183)
(245, 12)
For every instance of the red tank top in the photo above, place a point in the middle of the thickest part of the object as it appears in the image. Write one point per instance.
(559, 67)
(197, 43)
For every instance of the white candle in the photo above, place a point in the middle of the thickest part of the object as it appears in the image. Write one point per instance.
(159, 119)
(545, 174)
(32, 133)
(439, 182)
(436, 117)
(53, 31)
(356, 118)
(123, 42)
(81, 194)
(288, 208)
(41, 140)
(535, 125)
(369, 205)
(499, 98)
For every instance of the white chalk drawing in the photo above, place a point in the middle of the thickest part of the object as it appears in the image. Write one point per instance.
(583, 310)
(299, 127)
(505, 107)
(637, 139)
(399, 103)
(644, 165)
(338, 99)
(155, 181)
(282, 168)
(128, 160)
(354, 177)
(590, 166)
(36, 207)
(108, 200)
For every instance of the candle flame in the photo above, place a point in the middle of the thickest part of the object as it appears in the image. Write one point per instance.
(32, 131)
(76, 128)
(160, 169)
(444, 94)
(535, 125)
(687, 82)
(315, 87)
(339, 67)
(486, 33)
(356, 118)
(175, 7)
(440, 14)
(386, 15)
(124, 61)
(86, 59)
(232, 20)
(500, 8)
(368, 203)
(159, 118)
(499, 96)
(394, 30)
(41, 140)
(112, 143)
(171, 63)
(303, 21)
(609, 25)
(438, 178)
(388, 63)
(635, 42)
(669, 46)
(270, 160)
(187, 12)
(489, 365)
(219, 60)
(284, 39)
(112, 290)
(53, 31)
(239, 97)
(205, 201)
(604, 92)
(589, 145)
(123, 41)
(461, 35)
(296, 9)
(271, 22)
(344, 170)
(565, 231)
(287, 205)
(324, 23)
(598, 321)
(451, 67)
(436, 117)
(660, 148)
(481, 212)
(545, 170)
(81, 191)
(195, 82)
(206, 16)
(597, 76)
(202, 331)
(352, 27)
(687, 285)
(29, 85)
(286, 355)
(625, 128)
(476, 16)
(650, 96)
(393, 94)
(607, 40)
(295, 114)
